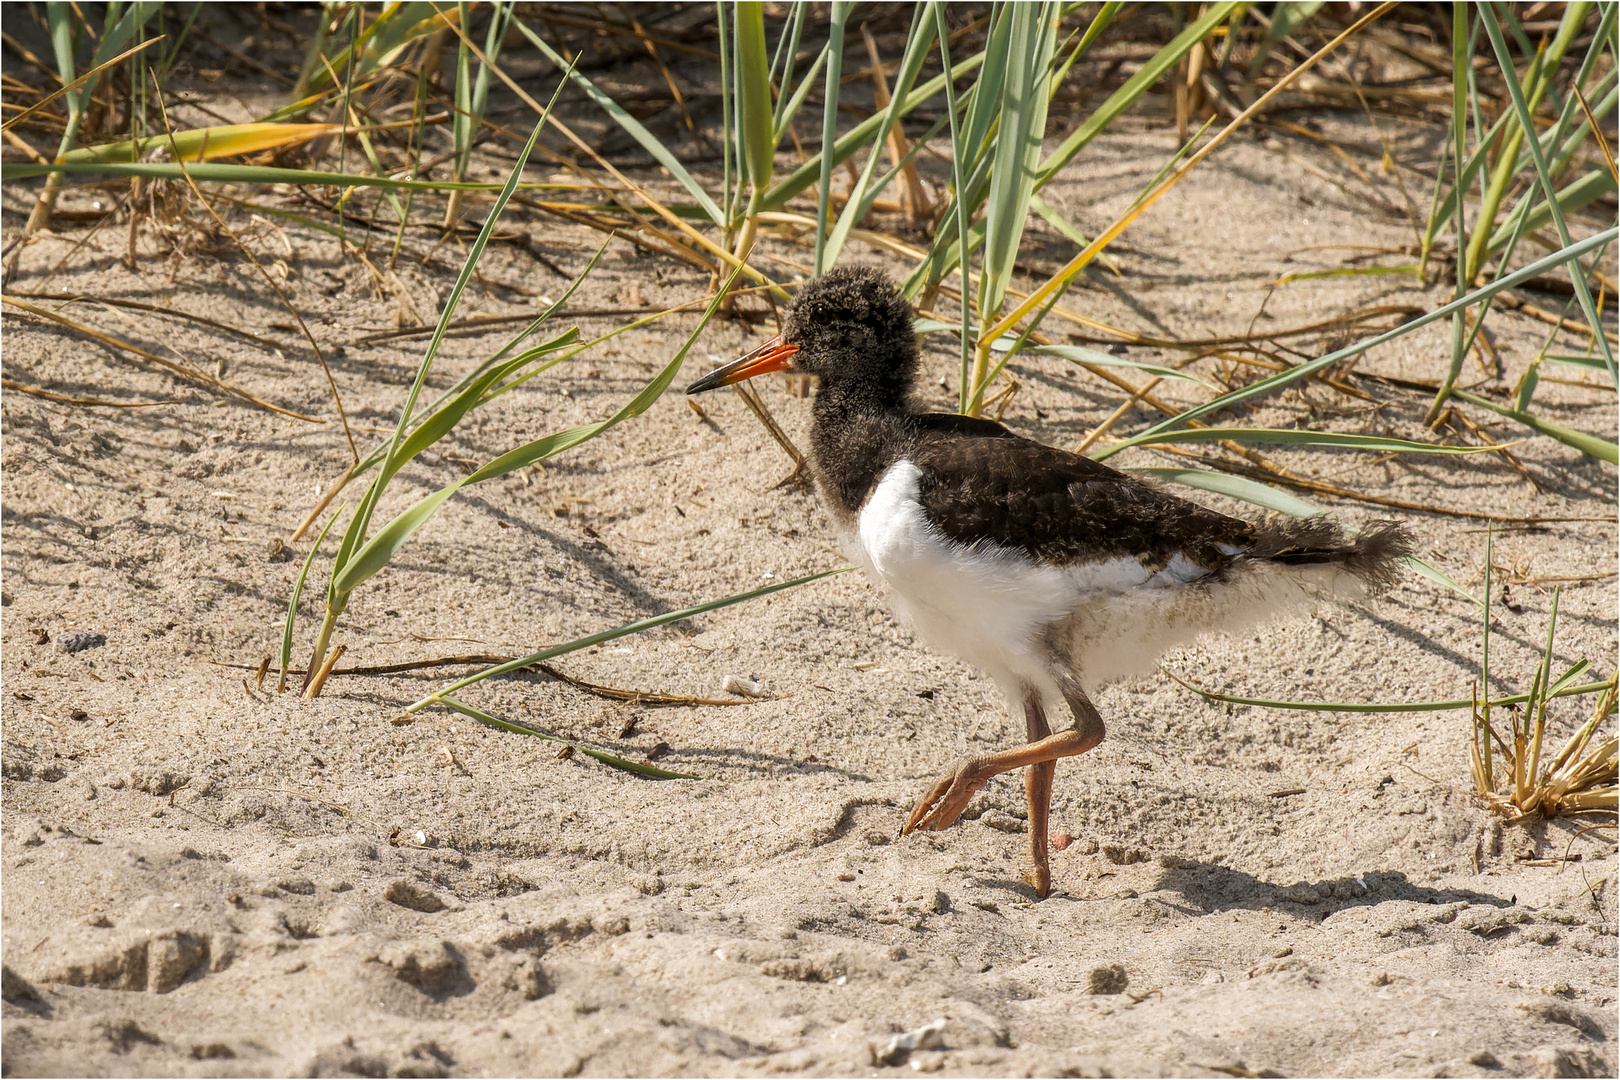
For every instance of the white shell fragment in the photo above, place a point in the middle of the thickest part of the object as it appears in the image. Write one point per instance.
(927, 1037)
(736, 684)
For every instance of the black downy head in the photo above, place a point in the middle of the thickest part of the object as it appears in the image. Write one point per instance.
(853, 331)
(850, 329)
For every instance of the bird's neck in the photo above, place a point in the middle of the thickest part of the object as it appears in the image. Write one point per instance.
(856, 434)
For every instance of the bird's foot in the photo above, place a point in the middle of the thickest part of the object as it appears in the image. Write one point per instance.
(944, 803)
(1039, 878)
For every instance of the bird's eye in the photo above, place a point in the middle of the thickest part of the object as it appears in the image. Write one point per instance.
(821, 317)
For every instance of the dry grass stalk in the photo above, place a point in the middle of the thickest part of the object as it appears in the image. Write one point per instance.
(286, 301)
(167, 365)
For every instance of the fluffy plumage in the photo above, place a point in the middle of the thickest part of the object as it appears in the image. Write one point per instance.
(1051, 572)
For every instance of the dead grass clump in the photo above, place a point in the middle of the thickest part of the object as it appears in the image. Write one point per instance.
(1581, 778)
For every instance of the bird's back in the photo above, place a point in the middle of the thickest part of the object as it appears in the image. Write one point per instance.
(984, 484)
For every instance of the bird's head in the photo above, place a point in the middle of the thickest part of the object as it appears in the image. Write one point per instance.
(850, 329)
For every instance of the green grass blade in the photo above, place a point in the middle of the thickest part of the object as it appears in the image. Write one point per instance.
(1025, 96)
(618, 632)
(829, 134)
(370, 461)
(381, 548)
(1590, 362)
(877, 187)
(391, 462)
(391, 31)
(1377, 443)
(1099, 23)
(788, 107)
(376, 552)
(1073, 353)
(1401, 707)
(1426, 569)
(1285, 378)
(787, 47)
(1587, 189)
(755, 108)
(1234, 487)
(862, 194)
(1537, 83)
(442, 420)
(1162, 62)
(1582, 292)
(1052, 217)
(983, 105)
(552, 309)
(1601, 449)
(855, 138)
(354, 545)
(632, 127)
(461, 120)
(1576, 670)
(227, 173)
(943, 36)
(59, 17)
(728, 139)
(1440, 216)
(1461, 61)
(546, 447)
(298, 592)
(1285, 18)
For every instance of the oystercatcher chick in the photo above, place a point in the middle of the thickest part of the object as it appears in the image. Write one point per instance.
(1048, 571)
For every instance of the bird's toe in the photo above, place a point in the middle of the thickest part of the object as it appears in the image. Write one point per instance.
(946, 800)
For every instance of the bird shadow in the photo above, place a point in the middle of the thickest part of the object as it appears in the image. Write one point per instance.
(1211, 888)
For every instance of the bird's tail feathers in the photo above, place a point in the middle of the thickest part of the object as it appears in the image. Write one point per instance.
(1372, 555)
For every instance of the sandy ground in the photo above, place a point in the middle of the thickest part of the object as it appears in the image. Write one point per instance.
(206, 879)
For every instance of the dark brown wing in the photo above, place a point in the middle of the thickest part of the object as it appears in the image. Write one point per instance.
(1060, 507)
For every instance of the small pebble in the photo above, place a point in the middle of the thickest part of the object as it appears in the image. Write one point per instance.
(80, 640)
(736, 684)
(1061, 841)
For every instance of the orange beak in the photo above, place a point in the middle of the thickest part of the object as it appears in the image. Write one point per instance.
(774, 355)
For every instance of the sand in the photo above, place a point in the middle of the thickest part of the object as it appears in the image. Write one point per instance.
(207, 878)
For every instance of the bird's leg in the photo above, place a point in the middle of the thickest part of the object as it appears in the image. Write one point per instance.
(1038, 794)
(1088, 722)
(943, 805)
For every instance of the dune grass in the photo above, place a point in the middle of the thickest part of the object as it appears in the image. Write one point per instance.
(1526, 158)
